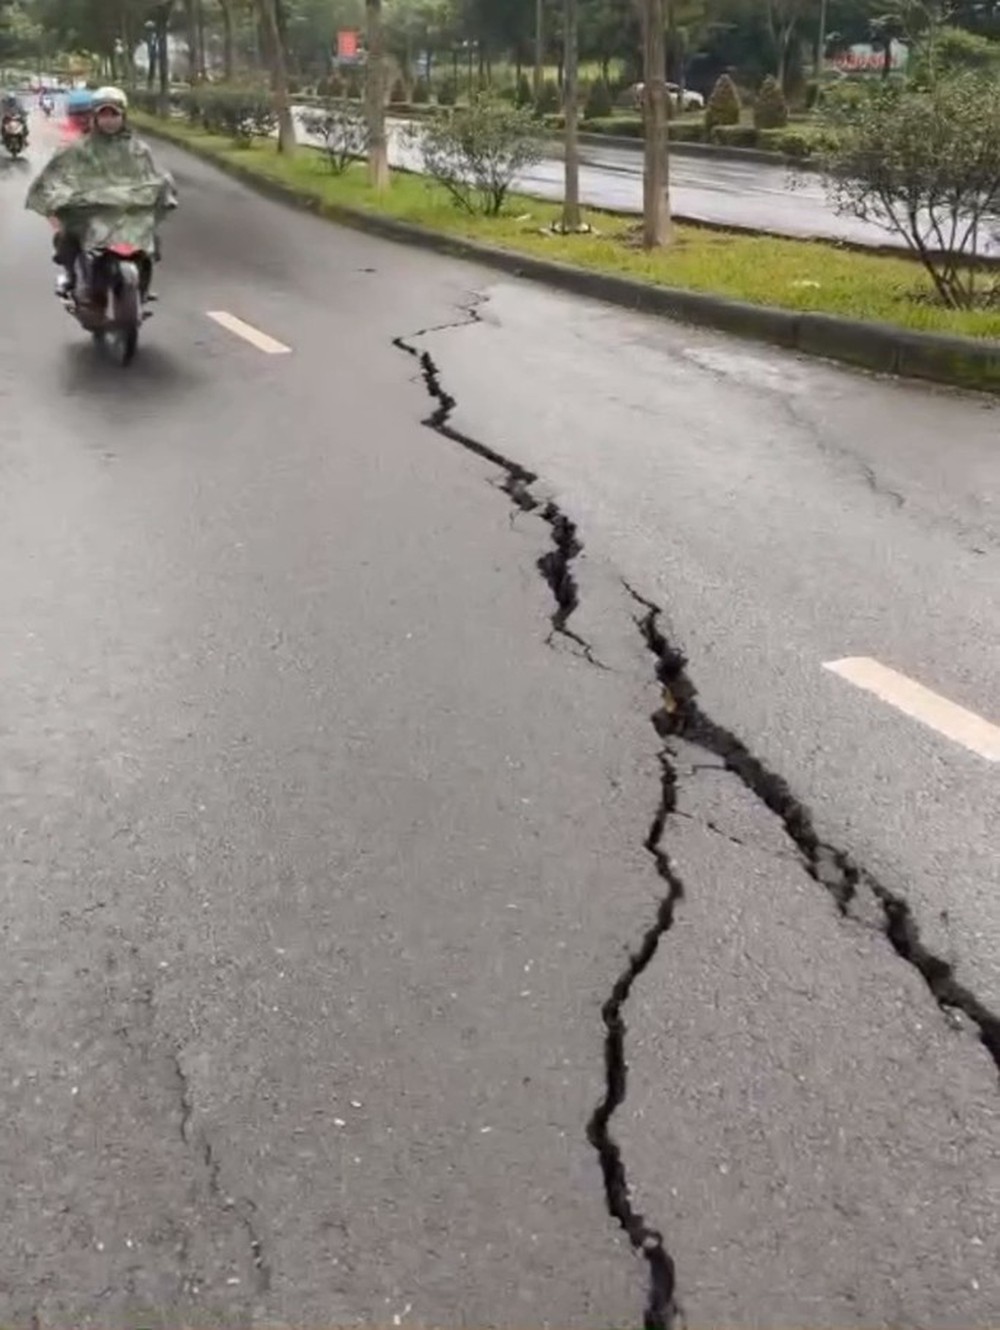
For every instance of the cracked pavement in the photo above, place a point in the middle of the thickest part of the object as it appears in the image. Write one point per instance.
(440, 884)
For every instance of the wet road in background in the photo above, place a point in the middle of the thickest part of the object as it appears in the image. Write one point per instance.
(752, 195)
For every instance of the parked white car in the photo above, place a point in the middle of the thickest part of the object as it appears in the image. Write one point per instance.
(689, 100)
(692, 101)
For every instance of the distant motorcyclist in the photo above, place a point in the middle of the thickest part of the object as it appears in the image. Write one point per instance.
(11, 104)
(108, 172)
(12, 109)
(46, 103)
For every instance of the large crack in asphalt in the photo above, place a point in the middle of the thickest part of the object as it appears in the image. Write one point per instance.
(556, 564)
(831, 867)
(680, 716)
(556, 568)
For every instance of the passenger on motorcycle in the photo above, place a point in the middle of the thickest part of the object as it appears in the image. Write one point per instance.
(79, 105)
(104, 172)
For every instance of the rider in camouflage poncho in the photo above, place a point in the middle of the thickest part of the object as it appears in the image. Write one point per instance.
(105, 188)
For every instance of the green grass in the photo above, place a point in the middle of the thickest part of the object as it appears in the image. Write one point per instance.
(790, 274)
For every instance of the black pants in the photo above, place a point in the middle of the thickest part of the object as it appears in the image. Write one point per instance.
(65, 250)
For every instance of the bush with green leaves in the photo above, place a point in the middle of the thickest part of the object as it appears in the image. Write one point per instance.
(447, 93)
(733, 136)
(723, 105)
(617, 126)
(549, 99)
(598, 102)
(397, 93)
(242, 114)
(524, 94)
(949, 51)
(421, 92)
(331, 85)
(770, 110)
(924, 164)
(145, 99)
(342, 130)
(476, 152)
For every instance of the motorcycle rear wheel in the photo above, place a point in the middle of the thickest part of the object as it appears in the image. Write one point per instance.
(126, 317)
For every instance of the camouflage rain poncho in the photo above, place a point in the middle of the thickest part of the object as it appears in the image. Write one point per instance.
(105, 189)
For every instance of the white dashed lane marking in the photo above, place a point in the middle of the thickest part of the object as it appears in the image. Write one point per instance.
(920, 703)
(269, 345)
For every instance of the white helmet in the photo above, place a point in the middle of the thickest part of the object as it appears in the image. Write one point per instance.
(105, 97)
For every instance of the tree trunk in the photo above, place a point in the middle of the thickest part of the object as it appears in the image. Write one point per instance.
(378, 150)
(227, 38)
(275, 47)
(571, 110)
(163, 60)
(194, 59)
(199, 18)
(655, 175)
(536, 84)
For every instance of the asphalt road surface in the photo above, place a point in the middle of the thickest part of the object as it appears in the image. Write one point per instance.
(343, 863)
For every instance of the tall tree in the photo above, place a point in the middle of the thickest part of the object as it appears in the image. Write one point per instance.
(160, 16)
(656, 170)
(571, 110)
(275, 50)
(194, 23)
(783, 17)
(228, 38)
(378, 148)
(539, 62)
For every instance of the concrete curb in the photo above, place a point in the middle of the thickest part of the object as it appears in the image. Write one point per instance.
(962, 362)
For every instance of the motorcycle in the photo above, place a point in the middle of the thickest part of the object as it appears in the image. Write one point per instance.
(48, 106)
(14, 134)
(110, 296)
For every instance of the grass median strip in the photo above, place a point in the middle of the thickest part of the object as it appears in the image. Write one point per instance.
(761, 270)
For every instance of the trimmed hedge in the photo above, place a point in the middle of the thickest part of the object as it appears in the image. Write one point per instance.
(616, 126)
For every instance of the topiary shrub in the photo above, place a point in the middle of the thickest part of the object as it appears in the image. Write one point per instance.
(770, 110)
(421, 92)
(447, 93)
(598, 103)
(724, 104)
(524, 97)
(397, 93)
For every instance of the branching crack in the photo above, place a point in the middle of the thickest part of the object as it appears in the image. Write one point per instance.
(242, 1207)
(556, 565)
(681, 716)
